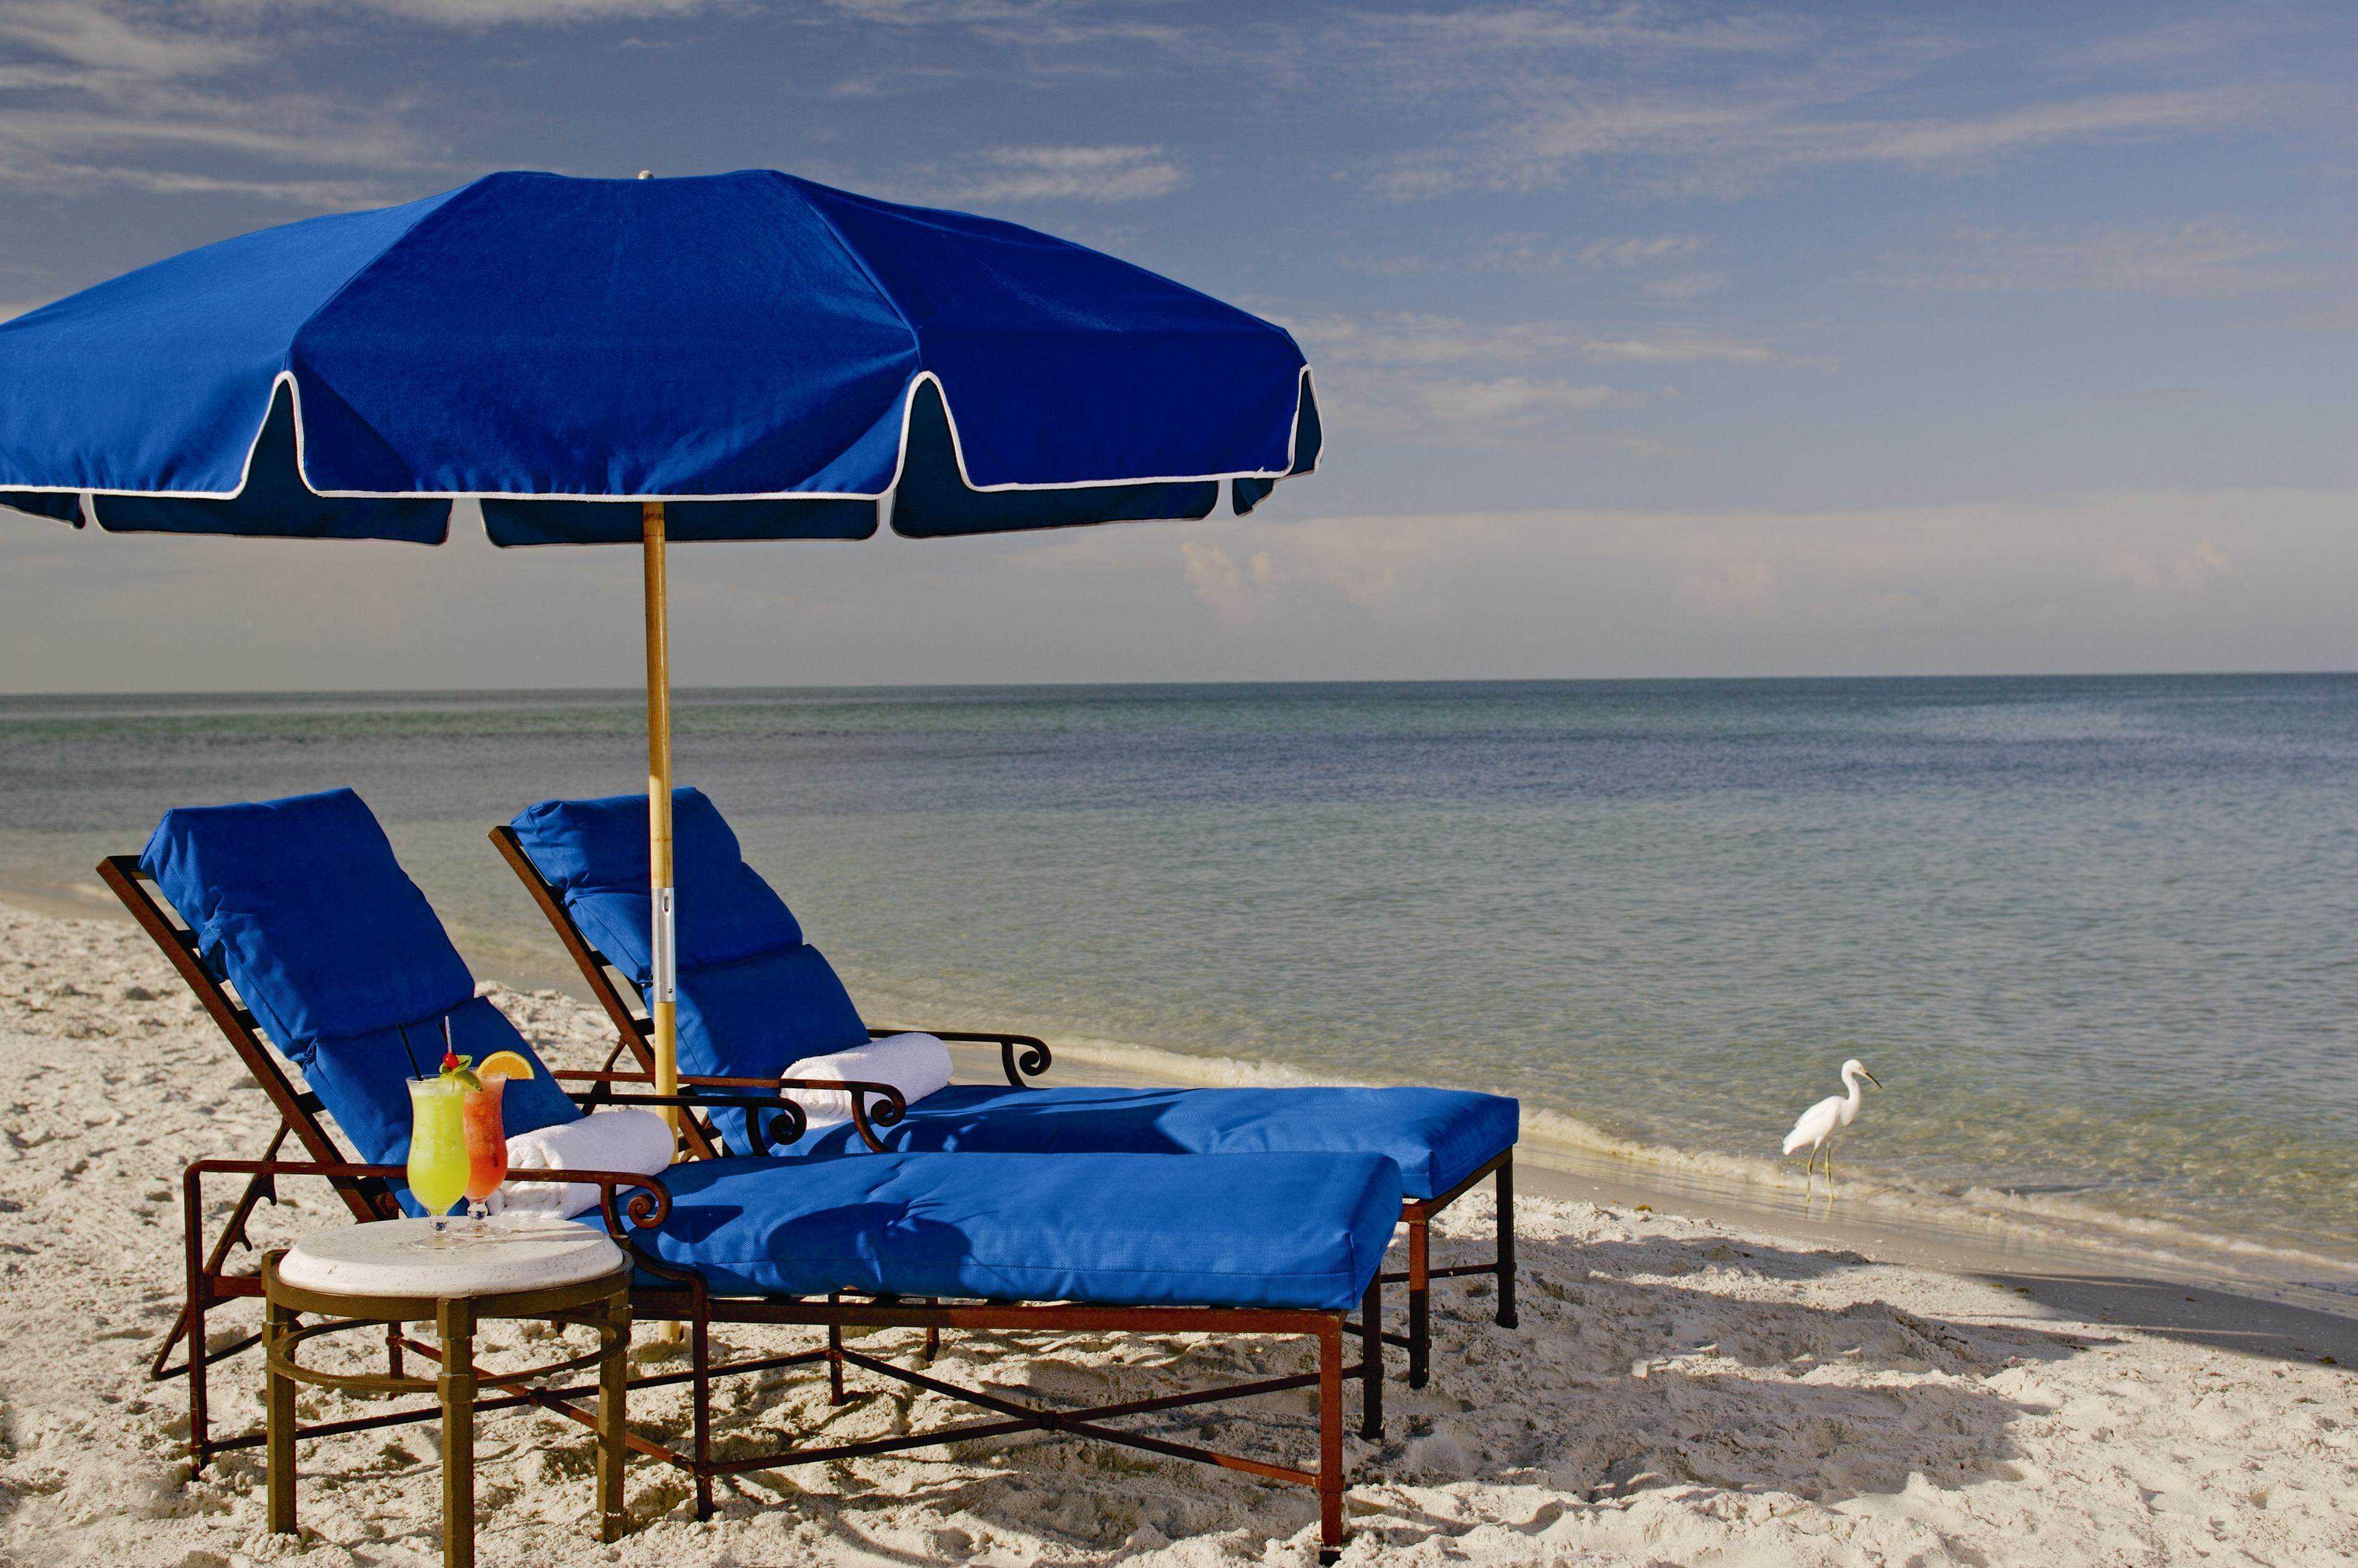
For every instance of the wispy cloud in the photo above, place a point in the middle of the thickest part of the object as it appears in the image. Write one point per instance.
(1685, 286)
(176, 101)
(1398, 339)
(1710, 144)
(1529, 97)
(1631, 30)
(1406, 340)
(895, 80)
(1639, 250)
(1074, 174)
(2211, 255)
(1686, 346)
(1516, 398)
(1529, 252)
(98, 45)
(1439, 381)
(479, 14)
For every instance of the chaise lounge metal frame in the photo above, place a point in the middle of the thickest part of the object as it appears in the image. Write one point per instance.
(671, 1293)
(1024, 1057)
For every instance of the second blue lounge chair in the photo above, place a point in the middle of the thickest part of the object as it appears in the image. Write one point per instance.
(755, 997)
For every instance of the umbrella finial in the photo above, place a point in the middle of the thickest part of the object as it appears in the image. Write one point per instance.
(646, 174)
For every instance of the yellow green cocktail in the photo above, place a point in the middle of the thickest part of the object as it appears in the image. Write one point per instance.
(438, 1147)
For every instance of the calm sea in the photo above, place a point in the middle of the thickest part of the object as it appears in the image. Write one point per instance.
(2094, 935)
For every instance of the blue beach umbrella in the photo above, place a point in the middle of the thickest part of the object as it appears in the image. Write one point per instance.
(738, 356)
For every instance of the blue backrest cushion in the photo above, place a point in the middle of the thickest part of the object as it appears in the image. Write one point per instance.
(301, 905)
(759, 1016)
(753, 997)
(594, 852)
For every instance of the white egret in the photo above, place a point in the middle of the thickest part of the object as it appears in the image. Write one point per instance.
(1829, 1116)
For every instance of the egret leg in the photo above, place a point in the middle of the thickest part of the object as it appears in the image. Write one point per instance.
(1830, 1178)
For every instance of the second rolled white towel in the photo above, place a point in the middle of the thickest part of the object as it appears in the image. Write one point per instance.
(917, 1065)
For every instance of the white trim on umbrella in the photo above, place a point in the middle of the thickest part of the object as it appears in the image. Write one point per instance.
(1304, 388)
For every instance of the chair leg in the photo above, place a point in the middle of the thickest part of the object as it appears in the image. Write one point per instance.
(456, 1320)
(1371, 1363)
(1505, 1185)
(279, 1401)
(1330, 1439)
(700, 1350)
(200, 1449)
(1420, 1301)
(835, 1395)
(392, 1349)
(613, 1395)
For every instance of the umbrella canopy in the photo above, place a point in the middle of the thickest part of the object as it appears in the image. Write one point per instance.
(738, 356)
(743, 339)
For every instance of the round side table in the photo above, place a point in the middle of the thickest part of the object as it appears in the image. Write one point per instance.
(388, 1272)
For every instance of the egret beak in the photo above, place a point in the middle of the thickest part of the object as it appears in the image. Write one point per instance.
(1870, 1077)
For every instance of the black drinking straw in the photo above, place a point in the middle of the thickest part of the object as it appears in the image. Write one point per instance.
(403, 1030)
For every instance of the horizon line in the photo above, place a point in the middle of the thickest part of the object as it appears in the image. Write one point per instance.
(636, 694)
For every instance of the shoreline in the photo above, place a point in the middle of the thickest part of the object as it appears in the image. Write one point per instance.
(2290, 1321)
(1875, 1220)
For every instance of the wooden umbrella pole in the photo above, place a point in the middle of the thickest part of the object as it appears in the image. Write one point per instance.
(664, 994)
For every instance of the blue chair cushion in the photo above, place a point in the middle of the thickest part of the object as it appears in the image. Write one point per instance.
(299, 905)
(759, 1016)
(1437, 1137)
(1266, 1230)
(753, 1000)
(594, 852)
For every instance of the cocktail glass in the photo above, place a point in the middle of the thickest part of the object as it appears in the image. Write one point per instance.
(487, 1145)
(438, 1150)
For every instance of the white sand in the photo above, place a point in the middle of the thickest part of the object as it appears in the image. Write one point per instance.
(1678, 1392)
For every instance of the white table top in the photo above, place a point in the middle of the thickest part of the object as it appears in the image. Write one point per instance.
(397, 1257)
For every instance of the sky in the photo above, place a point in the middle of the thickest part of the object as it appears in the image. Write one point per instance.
(1652, 339)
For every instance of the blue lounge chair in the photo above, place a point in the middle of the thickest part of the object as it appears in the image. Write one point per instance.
(755, 997)
(341, 970)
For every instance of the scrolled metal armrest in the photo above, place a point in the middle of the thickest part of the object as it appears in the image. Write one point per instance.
(1033, 1062)
(1020, 1055)
(648, 1207)
(786, 1122)
(786, 1126)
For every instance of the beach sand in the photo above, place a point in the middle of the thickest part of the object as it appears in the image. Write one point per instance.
(1680, 1391)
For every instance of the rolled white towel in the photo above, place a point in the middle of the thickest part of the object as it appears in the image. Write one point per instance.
(620, 1138)
(917, 1065)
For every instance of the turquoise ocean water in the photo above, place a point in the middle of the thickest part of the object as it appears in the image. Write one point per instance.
(2094, 935)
